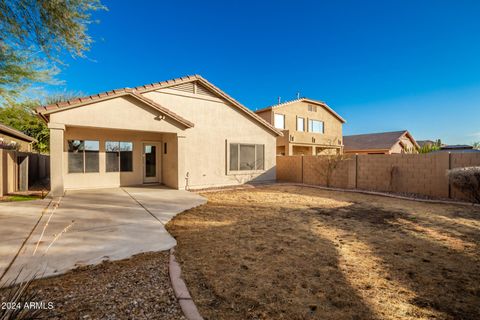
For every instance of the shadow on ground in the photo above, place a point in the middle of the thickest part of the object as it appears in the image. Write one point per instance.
(302, 253)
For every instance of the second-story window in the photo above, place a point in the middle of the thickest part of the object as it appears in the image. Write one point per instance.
(315, 126)
(300, 124)
(279, 121)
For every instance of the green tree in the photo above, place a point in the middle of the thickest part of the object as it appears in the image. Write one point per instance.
(34, 34)
(429, 148)
(22, 117)
(476, 145)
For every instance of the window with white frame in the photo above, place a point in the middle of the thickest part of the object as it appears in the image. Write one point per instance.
(279, 120)
(315, 126)
(300, 124)
(247, 157)
(83, 156)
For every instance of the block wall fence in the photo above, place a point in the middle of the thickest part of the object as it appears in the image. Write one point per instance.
(421, 174)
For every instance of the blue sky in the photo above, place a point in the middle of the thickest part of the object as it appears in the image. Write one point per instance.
(383, 65)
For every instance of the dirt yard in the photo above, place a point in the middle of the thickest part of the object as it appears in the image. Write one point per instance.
(285, 252)
(134, 288)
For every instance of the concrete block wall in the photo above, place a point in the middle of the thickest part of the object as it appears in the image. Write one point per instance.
(289, 168)
(315, 170)
(423, 174)
(404, 173)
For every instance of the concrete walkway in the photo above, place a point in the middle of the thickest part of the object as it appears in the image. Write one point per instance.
(88, 227)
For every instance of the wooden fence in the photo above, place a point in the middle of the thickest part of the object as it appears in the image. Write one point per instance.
(422, 174)
(20, 170)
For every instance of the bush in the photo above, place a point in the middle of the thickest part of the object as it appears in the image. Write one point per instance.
(466, 180)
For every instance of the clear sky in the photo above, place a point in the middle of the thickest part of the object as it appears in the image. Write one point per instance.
(382, 65)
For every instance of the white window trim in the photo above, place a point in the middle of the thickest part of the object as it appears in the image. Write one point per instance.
(310, 127)
(274, 122)
(303, 118)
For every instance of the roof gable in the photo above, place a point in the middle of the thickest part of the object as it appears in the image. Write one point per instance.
(306, 100)
(15, 133)
(194, 87)
(75, 103)
(196, 82)
(376, 141)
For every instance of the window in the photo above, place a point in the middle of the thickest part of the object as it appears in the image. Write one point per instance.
(246, 157)
(312, 108)
(165, 146)
(315, 126)
(300, 124)
(279, 121)
(83, 156)
(119, 156)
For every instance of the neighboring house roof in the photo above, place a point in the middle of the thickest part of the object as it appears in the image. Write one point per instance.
(422, 143)
(307, 100)
(457, 147)
(457, 150)
(375, 141)
(137, 94)
(15, 133)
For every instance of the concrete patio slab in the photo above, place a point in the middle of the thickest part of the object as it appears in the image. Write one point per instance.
(90, 226)
(14, 230)
(165, 210)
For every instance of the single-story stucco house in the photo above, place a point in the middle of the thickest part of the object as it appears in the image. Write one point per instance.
(380, 143)
(183, 133)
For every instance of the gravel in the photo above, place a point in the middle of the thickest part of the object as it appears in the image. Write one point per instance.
(135, 288)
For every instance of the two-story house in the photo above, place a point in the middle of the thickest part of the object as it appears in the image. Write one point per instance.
(309, 127)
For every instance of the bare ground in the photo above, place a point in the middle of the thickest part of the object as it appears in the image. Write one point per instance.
(134, 288)
(287, 252)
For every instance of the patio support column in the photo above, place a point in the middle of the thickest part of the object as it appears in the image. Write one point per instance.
(289, 150)
(183, 180)
(56, 159)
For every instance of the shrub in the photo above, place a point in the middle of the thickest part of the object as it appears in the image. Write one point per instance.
(16, 296)
(466, 180)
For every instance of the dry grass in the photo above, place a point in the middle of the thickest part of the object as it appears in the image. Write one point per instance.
(285, 252)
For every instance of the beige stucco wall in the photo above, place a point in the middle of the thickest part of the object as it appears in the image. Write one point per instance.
(408, 146)
(199, 152)
(8, 171)
(216, 125)
(332, 135)
(110, 179)
(332, 125)
(24, 146)
(123, 113)
(266, 115)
